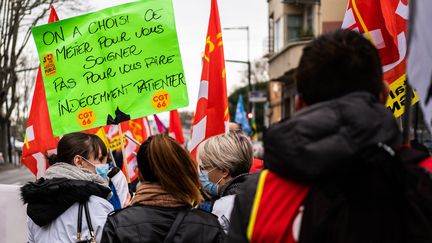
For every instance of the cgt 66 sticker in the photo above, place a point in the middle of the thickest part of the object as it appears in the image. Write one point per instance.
(161, 100)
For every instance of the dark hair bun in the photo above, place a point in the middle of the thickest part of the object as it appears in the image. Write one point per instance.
(52, 159)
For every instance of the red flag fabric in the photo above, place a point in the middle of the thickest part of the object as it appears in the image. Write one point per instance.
(39, 139)
(53, 15)
(211, 115)
(159, 124)
(175, 128)
(147, 127)
(138, 130)
(271, 204)
(384, 23)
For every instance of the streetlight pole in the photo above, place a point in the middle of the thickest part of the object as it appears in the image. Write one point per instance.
(245, 62)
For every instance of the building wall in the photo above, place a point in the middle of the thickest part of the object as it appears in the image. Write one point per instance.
(276, 8)
(333, 10)
(326, 16)
(275, 91)
(286, 60)
(332, 13)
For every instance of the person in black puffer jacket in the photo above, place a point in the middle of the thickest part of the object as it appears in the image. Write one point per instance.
(162, 209)
(336, 172)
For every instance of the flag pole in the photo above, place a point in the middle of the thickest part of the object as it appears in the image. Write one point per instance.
(406, 121)
(112, 157)
(408, 89)
(124, 164)
(132, 140)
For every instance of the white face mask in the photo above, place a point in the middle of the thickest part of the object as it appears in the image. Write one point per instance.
(101, 169)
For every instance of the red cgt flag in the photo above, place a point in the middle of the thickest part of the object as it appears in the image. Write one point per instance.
(211, 115)
(175, 128)
(159, 124)
(138, 130)
(39, 139)
(384, 23)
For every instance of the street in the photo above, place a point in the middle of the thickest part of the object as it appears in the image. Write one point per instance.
(13, 226)
(13, 175)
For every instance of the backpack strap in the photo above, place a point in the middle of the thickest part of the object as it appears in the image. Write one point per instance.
(173, 230)
(412, 156)
(79, 223)
(89, 223)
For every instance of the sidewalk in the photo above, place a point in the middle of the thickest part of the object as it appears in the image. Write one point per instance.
(8, 166)
(15, 174)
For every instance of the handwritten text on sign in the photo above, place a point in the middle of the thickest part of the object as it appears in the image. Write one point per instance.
(126, 56)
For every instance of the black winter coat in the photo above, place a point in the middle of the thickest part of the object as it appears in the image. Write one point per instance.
(358, 193)
(48, 199)
(152, 224)
(233, 186)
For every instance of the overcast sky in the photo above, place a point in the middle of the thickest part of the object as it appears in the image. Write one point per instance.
(192, 21)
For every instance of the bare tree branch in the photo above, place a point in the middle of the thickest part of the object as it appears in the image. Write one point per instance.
(26, 69)
(28, 33)
(16, 19)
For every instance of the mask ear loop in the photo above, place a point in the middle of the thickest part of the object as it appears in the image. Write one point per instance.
(217, 183)
(214, 168)
(86, 160)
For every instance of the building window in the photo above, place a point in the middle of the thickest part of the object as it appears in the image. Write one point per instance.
(278, 35)
(310, 19)
(294, 26)
(271, 35)
(286, 108)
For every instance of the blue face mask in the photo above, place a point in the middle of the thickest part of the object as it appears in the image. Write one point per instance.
(209, 186)
(101, 169)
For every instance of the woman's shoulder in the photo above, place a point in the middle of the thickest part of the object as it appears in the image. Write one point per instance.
(233, 187)
(199, 224)
(150, 214)
(100, 203)
(142, 214)
(196, 215)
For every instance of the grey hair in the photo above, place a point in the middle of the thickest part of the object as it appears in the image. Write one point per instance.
(232, 152)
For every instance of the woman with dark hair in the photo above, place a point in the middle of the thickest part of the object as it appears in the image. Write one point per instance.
(162, 209)
(76, 180)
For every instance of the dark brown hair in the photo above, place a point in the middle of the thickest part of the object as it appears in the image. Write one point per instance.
(78, 143)
(336, 64)
(162, 160)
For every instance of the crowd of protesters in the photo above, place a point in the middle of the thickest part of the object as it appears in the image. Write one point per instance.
(337, 171)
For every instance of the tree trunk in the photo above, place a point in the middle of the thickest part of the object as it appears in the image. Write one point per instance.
(4, 140)
(9, 143)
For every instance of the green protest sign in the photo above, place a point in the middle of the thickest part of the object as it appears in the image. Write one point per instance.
(124, 57)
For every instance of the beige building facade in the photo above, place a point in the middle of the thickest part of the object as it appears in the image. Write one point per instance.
(292, 25)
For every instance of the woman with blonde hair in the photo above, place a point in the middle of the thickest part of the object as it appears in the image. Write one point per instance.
(226, 160)
(162, 209)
